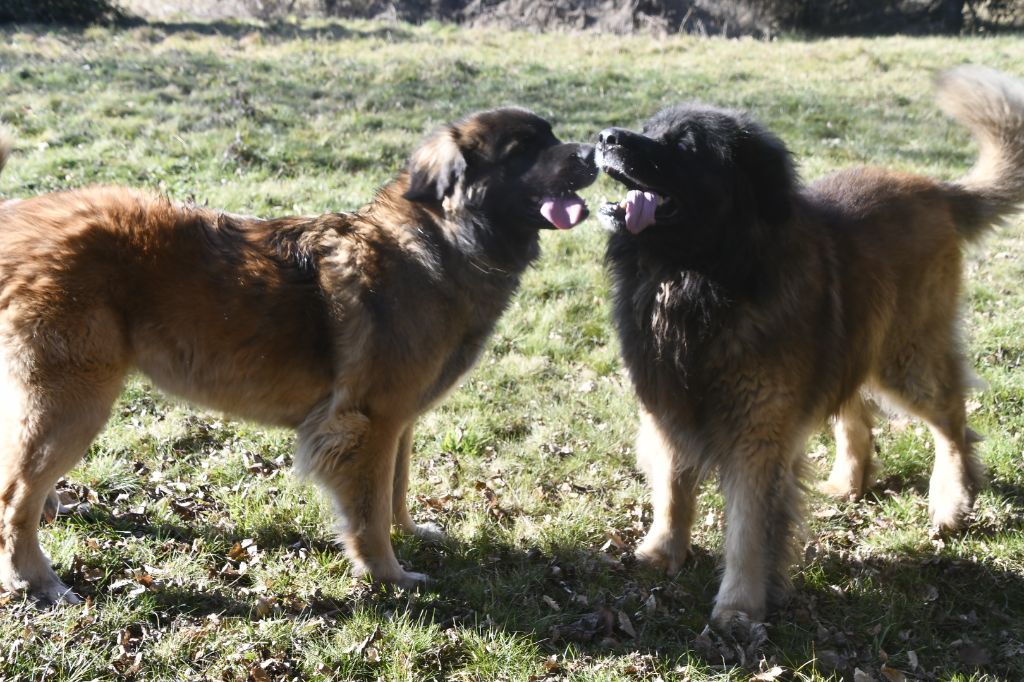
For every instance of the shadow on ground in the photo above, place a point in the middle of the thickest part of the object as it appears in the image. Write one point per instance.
(845, 613)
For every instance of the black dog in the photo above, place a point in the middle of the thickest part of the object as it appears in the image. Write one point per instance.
(750, 308)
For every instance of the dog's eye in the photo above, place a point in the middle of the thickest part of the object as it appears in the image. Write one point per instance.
(686, 142)
(514, 148)
(521, 148)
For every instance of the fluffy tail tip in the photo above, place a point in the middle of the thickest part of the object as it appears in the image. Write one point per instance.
(991, 105)
(961, 88)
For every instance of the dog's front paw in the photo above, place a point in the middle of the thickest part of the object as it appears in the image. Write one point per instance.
(840, 489)
(406, 580)
(43, 587)
(663, 551)
(410, 580)
(428, 532)
(951, 495)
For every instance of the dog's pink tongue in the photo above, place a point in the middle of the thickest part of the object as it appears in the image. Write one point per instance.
(640, 207)
(563, 212)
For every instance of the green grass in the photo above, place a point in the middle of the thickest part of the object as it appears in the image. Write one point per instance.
(203, 558)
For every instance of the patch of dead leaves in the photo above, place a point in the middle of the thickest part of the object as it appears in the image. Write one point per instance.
(494, 508)
(604, 625)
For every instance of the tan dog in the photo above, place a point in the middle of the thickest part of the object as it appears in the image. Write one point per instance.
(751, 308)
(345, 327)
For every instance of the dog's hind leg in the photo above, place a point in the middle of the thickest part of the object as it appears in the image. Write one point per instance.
(430, 532)
(673, 495)
(854, 464)
(46, 425)
(933, 388)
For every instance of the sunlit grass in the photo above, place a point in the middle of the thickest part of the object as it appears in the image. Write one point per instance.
(529, 464)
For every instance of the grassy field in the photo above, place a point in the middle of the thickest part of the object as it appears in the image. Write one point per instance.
(203, 558)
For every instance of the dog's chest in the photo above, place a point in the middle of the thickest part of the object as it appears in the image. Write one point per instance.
(460, 360)
(469, 328)
(673, 327)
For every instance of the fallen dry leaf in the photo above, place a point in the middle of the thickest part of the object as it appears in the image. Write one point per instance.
(626, 625)
(613, 539)
(772, 673)
(974, 655)
(892, 674)
(258, 674)
(552, 604)
(264, 607)
(237, 552)
(587, 628)
(364, 648)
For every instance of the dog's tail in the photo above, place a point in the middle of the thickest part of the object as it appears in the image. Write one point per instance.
(991, 105)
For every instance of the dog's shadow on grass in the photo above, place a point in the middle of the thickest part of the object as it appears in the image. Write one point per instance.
(845, 612)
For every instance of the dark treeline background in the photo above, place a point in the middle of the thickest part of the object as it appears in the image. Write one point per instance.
(762, 18)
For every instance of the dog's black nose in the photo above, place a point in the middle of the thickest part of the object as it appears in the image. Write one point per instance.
(610, 136)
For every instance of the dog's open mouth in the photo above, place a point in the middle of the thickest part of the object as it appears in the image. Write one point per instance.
(635, 213)
(564, 212)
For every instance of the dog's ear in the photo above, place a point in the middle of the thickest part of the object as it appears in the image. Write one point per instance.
(436, 167)
(769, 168)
